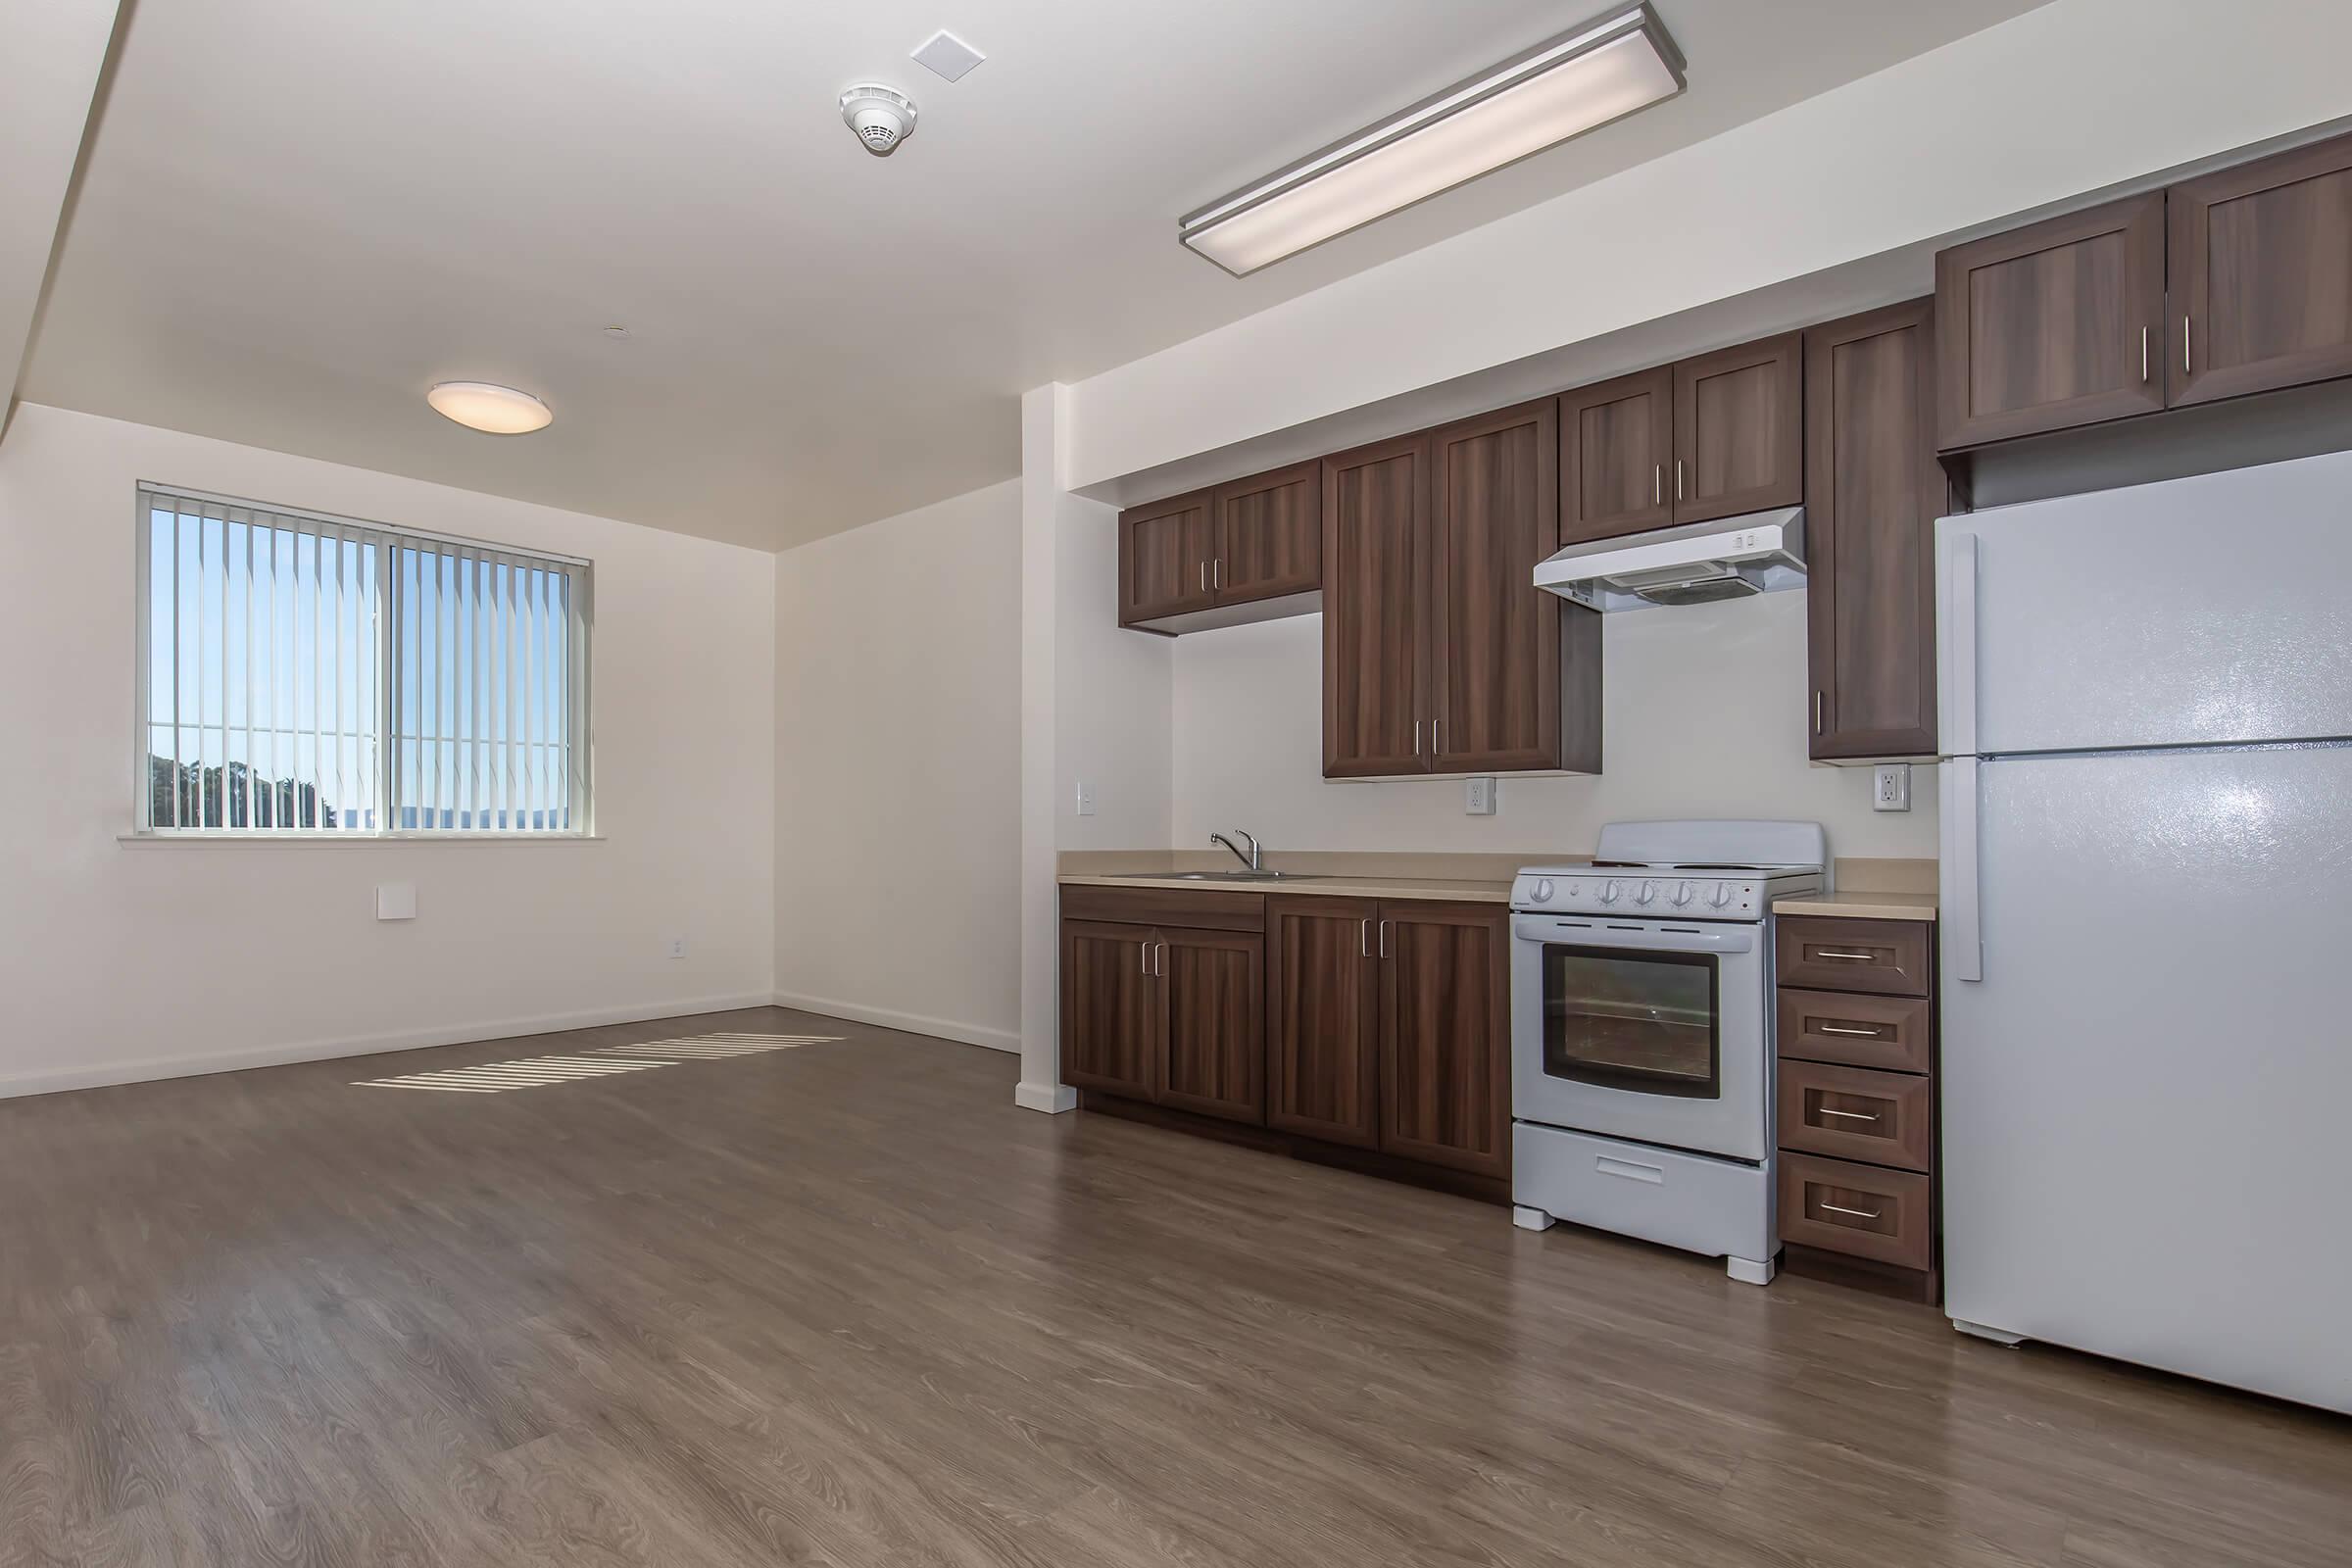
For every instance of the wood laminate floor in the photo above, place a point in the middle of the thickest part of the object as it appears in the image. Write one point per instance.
(845, 1304)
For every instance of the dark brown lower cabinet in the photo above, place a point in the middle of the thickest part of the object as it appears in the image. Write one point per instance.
(1348, 1024)
(1323, 1019)
(1213, 1056)
(1110, 1014)
(1444, 1035)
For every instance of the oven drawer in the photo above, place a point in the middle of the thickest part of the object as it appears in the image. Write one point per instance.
(1888, 1119)
(1884, 1032)
(1885, 958)
(1859, 1210)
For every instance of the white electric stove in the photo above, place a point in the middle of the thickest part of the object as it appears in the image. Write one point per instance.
(1642, 1034)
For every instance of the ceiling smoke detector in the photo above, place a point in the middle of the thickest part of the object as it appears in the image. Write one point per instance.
(882, 117)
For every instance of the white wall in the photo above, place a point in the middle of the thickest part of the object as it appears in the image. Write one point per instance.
(2070, 98)
(124, 961)
(898, 770)
(1704, 714)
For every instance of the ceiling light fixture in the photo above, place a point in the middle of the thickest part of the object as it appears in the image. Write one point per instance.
(1564, 87)
(491, 409)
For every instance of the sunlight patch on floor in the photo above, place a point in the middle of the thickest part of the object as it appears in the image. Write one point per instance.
(599, 1061)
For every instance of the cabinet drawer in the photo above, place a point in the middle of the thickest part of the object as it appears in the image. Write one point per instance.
(1886, 1032)
(1859, 1210)
(1208, 909)
(1885, 958)
(1888, 1119)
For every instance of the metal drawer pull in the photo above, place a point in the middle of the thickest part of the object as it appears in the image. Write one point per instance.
(1832, 952)
(1858, 1213)
(1838, 1029)
(1850, 1115)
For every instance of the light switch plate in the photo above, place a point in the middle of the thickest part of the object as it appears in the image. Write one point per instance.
(1890, 786)
(1086, 799)
(396, 901)
(1478, 797)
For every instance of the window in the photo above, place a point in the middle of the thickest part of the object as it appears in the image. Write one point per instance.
(305, 674)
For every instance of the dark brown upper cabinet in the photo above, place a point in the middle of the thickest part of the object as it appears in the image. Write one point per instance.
(1872, 491)
(1444, 1035)
(2056, 324)
(1215, 557)
(1738, 430)
(1496, 664)
(1323, 1019)
(1375, 615)
(1438, 652)
(1616, 441)
(2260, 276)
(1269, 535)
(1164, 551)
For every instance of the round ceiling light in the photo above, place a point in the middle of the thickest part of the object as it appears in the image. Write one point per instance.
(488, 408)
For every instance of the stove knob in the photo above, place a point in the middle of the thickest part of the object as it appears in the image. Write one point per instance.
(1721, 896)
(1681, 895)
(1649, 891)
(1543, 891)
(1608, 895)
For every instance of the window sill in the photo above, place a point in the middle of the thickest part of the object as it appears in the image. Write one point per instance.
(221, 840)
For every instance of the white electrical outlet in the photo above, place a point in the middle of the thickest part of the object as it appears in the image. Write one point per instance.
(1478, 797)
(1890, 786)
(677, 947)
(1086, 799)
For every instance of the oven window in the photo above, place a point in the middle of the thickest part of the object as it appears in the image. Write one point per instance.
(1644, 1021)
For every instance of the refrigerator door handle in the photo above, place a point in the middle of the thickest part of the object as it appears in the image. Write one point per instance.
(1956, 679)
(1963, 918)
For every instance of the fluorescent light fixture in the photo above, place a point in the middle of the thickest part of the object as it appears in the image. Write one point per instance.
(1585, 77)
(488, 408)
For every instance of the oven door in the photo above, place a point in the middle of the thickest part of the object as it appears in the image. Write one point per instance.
(1652, 1030)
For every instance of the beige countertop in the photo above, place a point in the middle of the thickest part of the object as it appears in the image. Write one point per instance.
(1460, 890)
(1861, 905)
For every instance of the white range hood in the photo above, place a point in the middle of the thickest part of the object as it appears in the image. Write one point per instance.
(1731, 557)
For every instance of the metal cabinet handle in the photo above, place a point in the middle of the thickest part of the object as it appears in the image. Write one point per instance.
(1160, 961)
(1437, 746)
(1817, 710)
(1417, 737)
(1657, 483)
(1205, 577)
(1143, 956)
(2187, 359)
(1834, 1029)
(1384, 939)
(1858, 1213)
(1217, 572)
(2143, 354)
(1850, 1115)
(1832, 952)
(1678, 478)
(1364, 939)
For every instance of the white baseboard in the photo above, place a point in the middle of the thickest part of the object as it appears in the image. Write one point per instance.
(970, 1034)
(1052, 1099)
(101, 1075)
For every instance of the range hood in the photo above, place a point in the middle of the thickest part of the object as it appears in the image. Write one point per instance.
(1731, 557)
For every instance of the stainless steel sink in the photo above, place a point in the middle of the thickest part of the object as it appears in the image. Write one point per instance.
(1216, 876)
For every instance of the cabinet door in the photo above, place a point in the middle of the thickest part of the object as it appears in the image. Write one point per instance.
(1375, 520)
(1616, 443)
(2260, 258)
(1495, 637)
(1213, 1060)
(1872, 491)
(1738, 430)
(1269, 535)
(1164, 555)
(1444, 1035)
(2052, 325)
(1322, 1019)
(1111, 1008)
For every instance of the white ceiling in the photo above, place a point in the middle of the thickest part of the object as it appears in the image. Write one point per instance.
(297, 217)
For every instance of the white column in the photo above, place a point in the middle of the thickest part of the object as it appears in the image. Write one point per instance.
(1041, 425)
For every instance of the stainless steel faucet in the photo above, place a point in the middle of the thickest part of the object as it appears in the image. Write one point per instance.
(1251, 859)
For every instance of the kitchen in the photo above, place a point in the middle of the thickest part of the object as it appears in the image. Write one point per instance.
(1737, 1036)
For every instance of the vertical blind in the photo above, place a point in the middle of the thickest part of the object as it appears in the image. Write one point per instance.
(310, 674)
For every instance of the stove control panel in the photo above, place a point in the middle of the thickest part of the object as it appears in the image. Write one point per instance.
(1697, 898)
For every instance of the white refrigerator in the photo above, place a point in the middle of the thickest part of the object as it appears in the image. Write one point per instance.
(2146, 934)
